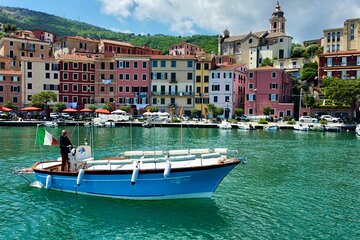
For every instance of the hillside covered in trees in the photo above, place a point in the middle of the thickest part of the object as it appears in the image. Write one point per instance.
(28, 19)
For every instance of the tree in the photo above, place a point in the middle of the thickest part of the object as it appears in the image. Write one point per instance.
(266, 110)
(9, 28)
(58, 107)
(9, 104)
(92, 107)
(239, 111)
(196, 112)
(343, 92)
(309, 71)
(218, 111)
(267, 62)
(152, 109)
(211, 109)
(42, 99)
(125, 108)
(297, 52)
(309, 100)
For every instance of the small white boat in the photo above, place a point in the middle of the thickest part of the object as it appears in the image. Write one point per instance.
(147, 125)
(245, 127)
(331, 128)
(224, 125)
(272, 128)
(98, 124)
(357, 130)
(301, 127)
(51, 124)
(109, 124)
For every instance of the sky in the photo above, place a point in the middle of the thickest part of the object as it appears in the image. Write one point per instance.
(305, 19)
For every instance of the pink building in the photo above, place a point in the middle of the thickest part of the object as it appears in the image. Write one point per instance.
(185, 48)
(133, 81)
(268, 87)
(44, 35)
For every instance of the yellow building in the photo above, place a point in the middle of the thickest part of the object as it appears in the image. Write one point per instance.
(172, 83)
(204, 63)
(345, 38)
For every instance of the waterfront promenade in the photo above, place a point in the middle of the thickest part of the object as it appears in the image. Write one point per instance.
(191, 124)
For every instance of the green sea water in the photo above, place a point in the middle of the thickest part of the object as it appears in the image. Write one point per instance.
(296, 185)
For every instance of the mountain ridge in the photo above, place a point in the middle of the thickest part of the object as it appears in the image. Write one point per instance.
(29, 19)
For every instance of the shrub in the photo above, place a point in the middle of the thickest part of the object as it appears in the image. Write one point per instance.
(323, 122)
(291, 122)
(262, 121)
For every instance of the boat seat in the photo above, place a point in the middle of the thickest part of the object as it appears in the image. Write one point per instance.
(199, 151)
(221, 150)
(133, 153)
(179, 152)
(153, 153)
(210, 155)
(183, 158)
(153, 160)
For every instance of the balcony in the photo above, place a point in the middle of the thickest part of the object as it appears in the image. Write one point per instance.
(27, 48)
(173, 81)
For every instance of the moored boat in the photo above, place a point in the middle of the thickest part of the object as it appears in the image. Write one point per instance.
(331, 128)
(245, 127)
(357, 130)
(141, 175)
(272, 128)
(224, 125)
(301, 127)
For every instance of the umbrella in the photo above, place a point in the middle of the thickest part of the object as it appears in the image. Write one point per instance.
(102, 110)
(30, 108)
(85, 110)
(118, 111)
(69, 110)
(5, 109)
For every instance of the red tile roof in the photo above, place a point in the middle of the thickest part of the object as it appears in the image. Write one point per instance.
(36, 59)
(117, 43)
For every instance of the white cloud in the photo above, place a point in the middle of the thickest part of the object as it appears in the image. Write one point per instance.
(306, 19)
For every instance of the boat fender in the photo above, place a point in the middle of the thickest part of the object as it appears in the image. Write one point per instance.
(167, 169)
(73, 151)
(80, 177)
(48, 182)
(134, 175)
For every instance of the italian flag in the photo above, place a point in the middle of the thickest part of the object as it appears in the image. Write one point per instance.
(45, 138)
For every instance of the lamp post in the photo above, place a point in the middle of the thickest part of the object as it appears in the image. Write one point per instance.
(227, 110)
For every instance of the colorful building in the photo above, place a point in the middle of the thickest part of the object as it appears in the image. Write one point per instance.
(39, 75)
(204, 63)
(77, 80)
(18, 46)
(253, 47)
(45, 36)
(75, 44)
(185, 48)
(10, 83)
(226, 89)
(133, 81)
(172, 83)
(341, 57)
(105, 80)
(268, 87)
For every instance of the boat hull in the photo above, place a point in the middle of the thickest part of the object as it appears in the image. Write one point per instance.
(149, 185)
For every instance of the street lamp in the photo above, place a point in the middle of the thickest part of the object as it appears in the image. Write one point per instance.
(227, 110)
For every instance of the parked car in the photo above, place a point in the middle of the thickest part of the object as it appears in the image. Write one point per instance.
(329, 118)
(307, 119)
(65, 115)
(54, 115)
(242, 118)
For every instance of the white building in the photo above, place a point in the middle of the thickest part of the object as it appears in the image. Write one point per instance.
(252, 48)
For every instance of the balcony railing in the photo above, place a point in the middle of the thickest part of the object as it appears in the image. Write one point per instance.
(349, 64)
(172, 93)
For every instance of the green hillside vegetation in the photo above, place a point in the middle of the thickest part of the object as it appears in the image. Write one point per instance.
(28, 19)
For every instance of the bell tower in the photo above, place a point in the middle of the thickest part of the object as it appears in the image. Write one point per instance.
(277, 21)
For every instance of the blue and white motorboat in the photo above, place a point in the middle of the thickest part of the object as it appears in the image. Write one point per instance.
(140, 175)
(245, 127)
(51, 124)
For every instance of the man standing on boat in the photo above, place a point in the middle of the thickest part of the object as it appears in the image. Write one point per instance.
(65, 146)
